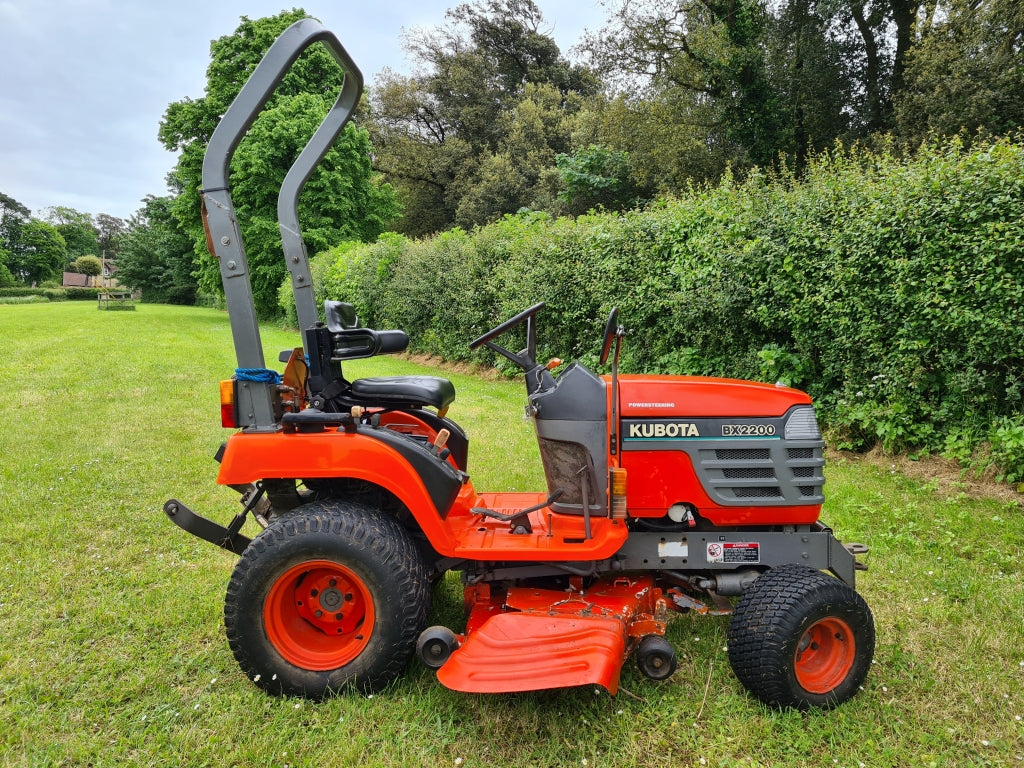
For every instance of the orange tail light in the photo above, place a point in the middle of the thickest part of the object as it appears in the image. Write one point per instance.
(228, 415)
(618, 485)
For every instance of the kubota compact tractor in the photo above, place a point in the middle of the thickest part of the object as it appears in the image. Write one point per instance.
(664, 493)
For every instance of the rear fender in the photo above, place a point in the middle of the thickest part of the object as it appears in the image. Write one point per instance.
(426, 485)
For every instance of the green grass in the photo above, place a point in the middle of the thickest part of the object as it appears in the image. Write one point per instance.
(113, 650)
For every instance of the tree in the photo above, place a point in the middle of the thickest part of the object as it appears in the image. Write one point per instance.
(596, 177)
(156, 255)
(453, 137)
(77, 228)
(704, 58)
(110, 229)
(13, 217)
(88, 265)
(967, 72)
(343, 199)
(520, 172)
(806, 66)
(42, 254)
(747, 82)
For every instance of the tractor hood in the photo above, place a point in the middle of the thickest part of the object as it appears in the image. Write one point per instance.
(701, 396)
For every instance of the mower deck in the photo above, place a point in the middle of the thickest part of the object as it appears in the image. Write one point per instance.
(527, 639)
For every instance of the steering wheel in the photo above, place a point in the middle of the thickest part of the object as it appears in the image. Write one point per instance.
(527, 359)
(611, 330)
(508, 325)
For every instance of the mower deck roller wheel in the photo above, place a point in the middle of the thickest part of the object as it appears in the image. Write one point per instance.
(435, 646)
(656, 657)
(331, 595)
(801, 639)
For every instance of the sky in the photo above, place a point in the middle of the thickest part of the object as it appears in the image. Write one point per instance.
(84, 83)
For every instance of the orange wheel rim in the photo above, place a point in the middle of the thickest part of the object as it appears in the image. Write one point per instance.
(319, 615)
(825, 655)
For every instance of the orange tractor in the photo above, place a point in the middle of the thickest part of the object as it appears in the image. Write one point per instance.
(664, 494)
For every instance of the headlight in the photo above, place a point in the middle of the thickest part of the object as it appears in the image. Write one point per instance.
(802, 424)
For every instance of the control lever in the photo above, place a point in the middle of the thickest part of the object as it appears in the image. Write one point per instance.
(437, 447)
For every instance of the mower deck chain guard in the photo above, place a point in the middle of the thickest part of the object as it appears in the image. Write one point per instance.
(207, 530)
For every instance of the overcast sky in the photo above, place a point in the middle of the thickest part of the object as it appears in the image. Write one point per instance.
(84, 83)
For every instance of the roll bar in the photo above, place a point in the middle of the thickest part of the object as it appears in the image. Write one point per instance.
(223, 237)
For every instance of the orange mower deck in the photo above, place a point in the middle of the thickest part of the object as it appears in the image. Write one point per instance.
(536, 639)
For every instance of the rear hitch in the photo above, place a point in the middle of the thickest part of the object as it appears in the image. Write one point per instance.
(857, 549)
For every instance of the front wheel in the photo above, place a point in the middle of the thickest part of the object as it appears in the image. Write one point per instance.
(331, 595)
(801, 639)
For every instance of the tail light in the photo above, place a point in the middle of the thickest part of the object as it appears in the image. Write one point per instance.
(618, 485)
(228, 415)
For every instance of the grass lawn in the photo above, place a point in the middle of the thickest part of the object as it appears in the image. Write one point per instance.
(113, 649)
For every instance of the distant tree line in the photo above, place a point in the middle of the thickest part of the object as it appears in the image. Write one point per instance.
(36, 251)
(495, 120)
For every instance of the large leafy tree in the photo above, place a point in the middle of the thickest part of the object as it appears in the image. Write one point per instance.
(13, 217)
(520, 172)
(343, 200)
(156, 255)
(710, 83)
(42, 254)
(596, 177)
(705, 59)
(77, 228)
(109, 229)
(966, 73)
(469, 135)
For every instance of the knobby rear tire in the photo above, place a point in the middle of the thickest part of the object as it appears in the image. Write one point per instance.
(334, 594)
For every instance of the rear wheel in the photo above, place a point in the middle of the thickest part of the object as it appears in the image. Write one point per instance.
(331, 595)
(799, 638)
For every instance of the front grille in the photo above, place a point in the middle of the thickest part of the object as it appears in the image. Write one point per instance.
(761, 471)
(757, 493)
(742, 454)
(749, 473)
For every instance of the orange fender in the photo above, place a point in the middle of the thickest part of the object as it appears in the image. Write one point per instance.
(249, 457)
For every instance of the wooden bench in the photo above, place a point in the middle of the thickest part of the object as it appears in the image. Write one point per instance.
(115, 300)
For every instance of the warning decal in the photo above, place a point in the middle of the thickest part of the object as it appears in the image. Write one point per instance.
(734, 552)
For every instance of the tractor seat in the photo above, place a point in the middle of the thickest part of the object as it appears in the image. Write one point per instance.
(402, 392)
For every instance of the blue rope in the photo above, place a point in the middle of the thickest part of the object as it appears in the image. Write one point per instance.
(262, 375)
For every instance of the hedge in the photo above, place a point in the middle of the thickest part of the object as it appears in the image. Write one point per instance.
(23, 300)
(889, 288)
(50, 294)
